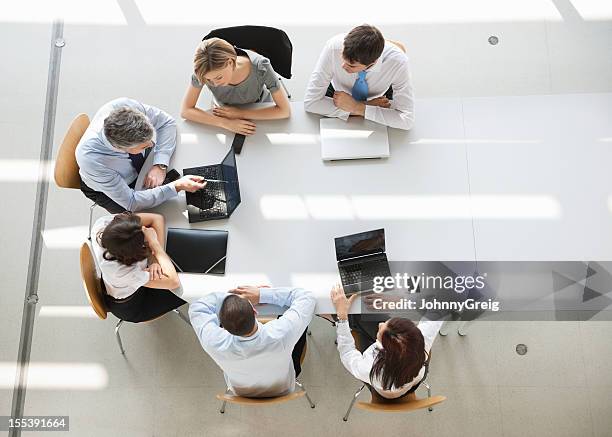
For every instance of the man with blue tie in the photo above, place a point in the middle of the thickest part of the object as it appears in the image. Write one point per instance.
(113, 150)
(362, 74)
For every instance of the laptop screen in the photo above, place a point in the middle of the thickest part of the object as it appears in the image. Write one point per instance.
(230, 174)
(364, 243)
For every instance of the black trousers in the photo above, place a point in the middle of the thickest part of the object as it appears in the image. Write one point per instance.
(143, 305)
(331, 90)
(102, 199)
(296, 355)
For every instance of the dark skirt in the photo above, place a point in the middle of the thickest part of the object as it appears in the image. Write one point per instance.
(144, 304)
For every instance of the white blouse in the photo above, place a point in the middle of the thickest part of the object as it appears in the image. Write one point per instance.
(121, 281)
(360, 365)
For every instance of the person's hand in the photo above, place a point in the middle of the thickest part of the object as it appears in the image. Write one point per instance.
(346, 102)
(155, 272)
(189, 183)
(227, 112)
(341, 302)
(370, 299)
(381, 101)
(150, 236)
(239, 126)
(155, 177)
(250, 292)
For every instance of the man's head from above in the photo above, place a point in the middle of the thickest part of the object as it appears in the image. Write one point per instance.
(128, 130)
(362, 47)
(237, 315)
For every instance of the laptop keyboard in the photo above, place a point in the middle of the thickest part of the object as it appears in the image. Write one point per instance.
(357, 273)
(210, 201)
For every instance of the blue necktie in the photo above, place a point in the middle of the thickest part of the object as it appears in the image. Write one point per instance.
(138, 160)
(360, 88)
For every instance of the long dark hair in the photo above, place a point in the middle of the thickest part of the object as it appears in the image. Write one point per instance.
(123, 240)
(402, 355)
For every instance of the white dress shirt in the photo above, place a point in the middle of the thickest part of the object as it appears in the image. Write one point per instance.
(391, 69)
(259, 365)
(359, 365)
(121, 281)
(107, 169)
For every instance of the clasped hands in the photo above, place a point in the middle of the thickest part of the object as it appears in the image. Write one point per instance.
(347, 103)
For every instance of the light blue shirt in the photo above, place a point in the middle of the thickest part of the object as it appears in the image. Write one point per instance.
(259, 365)
(108, 169)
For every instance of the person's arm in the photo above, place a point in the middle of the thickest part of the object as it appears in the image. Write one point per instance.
(353, 361)
(281, 110)
(291, 325)
(165, 127)
(314, 98)
(205, 322)
(169, 279)
(190, 112)
(430, 330)
(112, 184)
(401, 113)
(157, 222)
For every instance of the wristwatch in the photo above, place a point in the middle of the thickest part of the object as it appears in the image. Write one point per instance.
(162, 166)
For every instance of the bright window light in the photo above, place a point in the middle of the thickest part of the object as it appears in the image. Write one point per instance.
(189, 139)
(71, 11)
(57, 376)
(193, 287)
(315, 281)
(289, 207)
(605, 140)
(25, 170)
(409, 207)
(189, 12)
(70, 237)
(293, 139)
(470, 141)
(71, 312)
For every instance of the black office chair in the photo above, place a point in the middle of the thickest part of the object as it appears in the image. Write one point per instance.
(270, 42)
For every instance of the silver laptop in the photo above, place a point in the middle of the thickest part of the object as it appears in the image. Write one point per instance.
(356, 138)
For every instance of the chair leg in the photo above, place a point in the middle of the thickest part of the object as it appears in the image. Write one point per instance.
(91, 209)
(222, 410)
(182, 316)
(300, 385)
(463, 327)
(284, 87)
(309, 332)
(119, 323)
(428, 387)
(355, 396)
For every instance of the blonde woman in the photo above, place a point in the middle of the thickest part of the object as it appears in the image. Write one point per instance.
(235, 77)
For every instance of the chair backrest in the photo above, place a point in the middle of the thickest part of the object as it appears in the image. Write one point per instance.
(91, 281)
(407, 403)
(270, 42)
(66, 172)
(260, 401)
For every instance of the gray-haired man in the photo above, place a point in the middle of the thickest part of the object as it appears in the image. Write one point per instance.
(110, 156)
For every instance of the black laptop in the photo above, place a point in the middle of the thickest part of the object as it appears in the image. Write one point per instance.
(197, 250)
(361, 257)
(219, 199)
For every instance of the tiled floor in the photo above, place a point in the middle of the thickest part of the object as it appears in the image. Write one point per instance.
(166, 384)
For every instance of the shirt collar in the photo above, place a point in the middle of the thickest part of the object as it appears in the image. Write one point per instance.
(376, 67)
(254, 336)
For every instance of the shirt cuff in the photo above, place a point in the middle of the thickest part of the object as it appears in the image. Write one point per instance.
(343, 329)
(161, 158)
(266, 295)
(343, 115)
(370, 112)
(170, 190)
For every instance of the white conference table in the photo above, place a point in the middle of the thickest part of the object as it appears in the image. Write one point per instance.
(495, 178)
(294, 204)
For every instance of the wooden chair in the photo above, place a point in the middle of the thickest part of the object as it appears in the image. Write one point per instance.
(240, 400)
(92, 282)
(378, 403)
(66, 172)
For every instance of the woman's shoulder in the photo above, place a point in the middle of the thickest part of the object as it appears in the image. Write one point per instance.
(260, 62)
